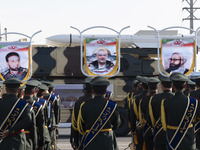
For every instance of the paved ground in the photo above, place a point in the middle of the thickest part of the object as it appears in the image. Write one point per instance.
(63, 142)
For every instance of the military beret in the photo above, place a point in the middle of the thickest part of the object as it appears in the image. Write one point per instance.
(135, 81)
(163, 78)
(12, 83)
(31, 83)
(152, 80)
(191, 82)
(139, 78)
(99, 81)
(22, 87)
(143, 79)
(51, 85)
(88, 79)
(36, 81)
(43, 87)
(178, 77)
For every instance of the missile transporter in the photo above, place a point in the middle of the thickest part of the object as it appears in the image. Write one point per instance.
(62, 66)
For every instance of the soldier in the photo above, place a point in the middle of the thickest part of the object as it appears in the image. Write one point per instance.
(14, 117)
(196, 94)
(53, 114)
(30, 131)
(29, 92)
(154, 112)
(136, 127)
(191, 87)
(143, 114)
(177, 114)
(97, 117)
(42, 91)
(75, 137)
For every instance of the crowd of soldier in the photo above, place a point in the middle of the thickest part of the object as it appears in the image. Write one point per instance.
(168, 119)
(29, 115)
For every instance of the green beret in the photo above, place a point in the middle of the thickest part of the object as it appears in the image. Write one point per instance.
(143, 79)
(36, 81)
(88, 79)
(178, 77)
(135, 81)
(12, 83)
(43, 87)
(152, 80)
(51, 85)
(139, 78)
(48, 83)
(191, 82)
(22, 87)
(99, 81)
(163, 78)
(31, 83)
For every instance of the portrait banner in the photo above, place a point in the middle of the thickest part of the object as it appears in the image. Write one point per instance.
(101, 56)
(15, 58)
(178, 55)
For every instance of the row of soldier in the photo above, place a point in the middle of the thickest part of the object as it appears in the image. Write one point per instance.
(168, 119)
(29, 115)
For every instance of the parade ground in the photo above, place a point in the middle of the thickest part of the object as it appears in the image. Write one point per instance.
(63, 142)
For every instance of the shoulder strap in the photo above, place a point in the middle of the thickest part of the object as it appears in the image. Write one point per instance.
(184, 124)
(14, 114)
(151, 112)
(100, 122)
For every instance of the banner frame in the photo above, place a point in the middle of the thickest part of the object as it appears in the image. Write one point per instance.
(30, 41)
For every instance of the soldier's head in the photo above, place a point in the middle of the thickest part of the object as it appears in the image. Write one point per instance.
(31, 88)
(13, 61)
(191, 85)
(12, 86)
(152, 83)
(99, 85)
(166, 83)
(86, 86)
(21, 92)
(179, 80)
(42, 90)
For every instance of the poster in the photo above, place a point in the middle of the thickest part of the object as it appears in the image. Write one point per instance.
(15, 60)
(178, 55)
(101, 56)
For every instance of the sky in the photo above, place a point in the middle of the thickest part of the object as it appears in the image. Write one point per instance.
(55, 17)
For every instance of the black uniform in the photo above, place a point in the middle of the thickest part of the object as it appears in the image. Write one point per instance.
(160, 139)
(74, 136)
(17, 139)
(90, 112)
(39, 122)
(173, 110)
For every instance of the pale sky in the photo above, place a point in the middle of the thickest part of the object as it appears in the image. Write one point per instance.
(56, 16)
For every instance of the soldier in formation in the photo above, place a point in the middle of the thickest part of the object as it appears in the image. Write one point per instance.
(166, 120)
(24, 116)
(95, 117)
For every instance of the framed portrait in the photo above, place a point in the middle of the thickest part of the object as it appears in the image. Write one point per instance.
(101, 56)
(15, 60)
(178, 55)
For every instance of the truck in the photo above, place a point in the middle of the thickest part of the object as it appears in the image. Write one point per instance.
(60, 63)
